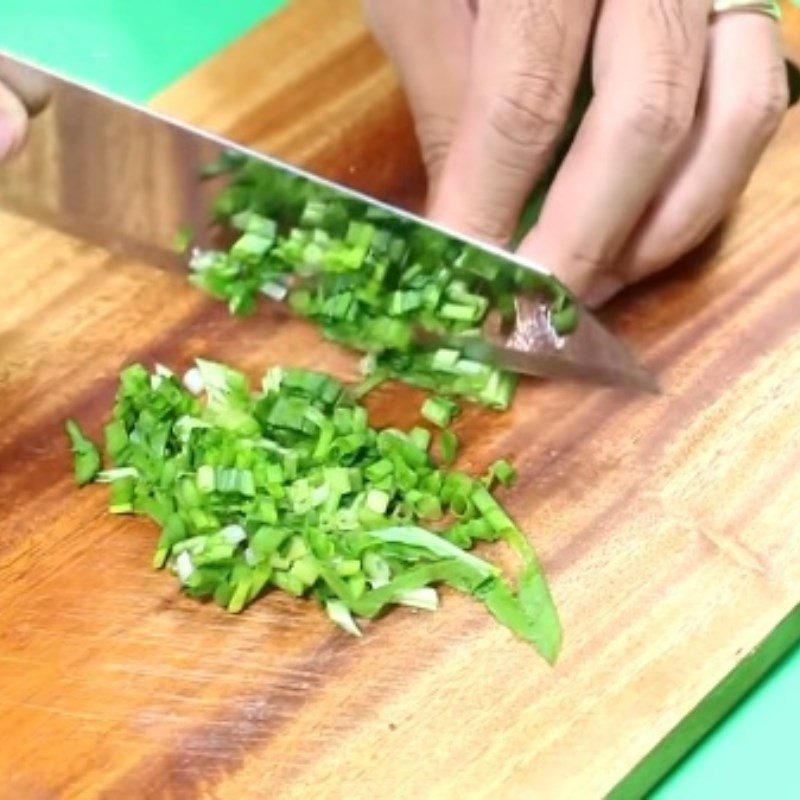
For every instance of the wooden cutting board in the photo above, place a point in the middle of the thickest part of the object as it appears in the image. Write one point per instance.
(669, 526)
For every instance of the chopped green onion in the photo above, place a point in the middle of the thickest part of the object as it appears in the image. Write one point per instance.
(193, 380)
(122, 493)
(86, 456)
(426, 598)
(502, 472)
(367, 279)
(340, 614)
(440, 410)
(420, 438)
(291, 488)
(448, 445)
(111, 475)
(377, 501)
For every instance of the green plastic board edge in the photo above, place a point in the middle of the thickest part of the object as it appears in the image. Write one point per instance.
(710, 711)
(133, 48)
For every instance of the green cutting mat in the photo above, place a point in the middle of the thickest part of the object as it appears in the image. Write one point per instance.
(137, 47)
(130, 47)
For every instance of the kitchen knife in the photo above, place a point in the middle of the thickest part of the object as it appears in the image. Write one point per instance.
(130, 179)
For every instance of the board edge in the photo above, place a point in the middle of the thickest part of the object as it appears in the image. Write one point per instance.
(710, 711)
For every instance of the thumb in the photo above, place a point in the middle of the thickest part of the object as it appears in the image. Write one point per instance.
(29, 85)
(23, 92)
(13, 123)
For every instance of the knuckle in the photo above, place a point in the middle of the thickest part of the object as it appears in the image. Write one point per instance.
(658, 123)
(663, 109)
(764, 103)
(435, 133)
(661, 117)
(669, 21)
(529, 112)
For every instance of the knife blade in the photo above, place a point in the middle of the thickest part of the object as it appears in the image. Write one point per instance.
(129, 178)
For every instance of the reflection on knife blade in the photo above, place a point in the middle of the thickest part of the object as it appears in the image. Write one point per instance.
(532, 347)
(129, 179)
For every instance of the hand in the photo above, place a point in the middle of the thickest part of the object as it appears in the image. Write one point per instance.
(684, 103)
(21, 94)
(13, 122)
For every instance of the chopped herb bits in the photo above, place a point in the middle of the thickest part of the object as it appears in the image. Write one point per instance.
(369, 279)
(289, 487)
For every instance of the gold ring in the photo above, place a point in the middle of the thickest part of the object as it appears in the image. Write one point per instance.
(769, 7)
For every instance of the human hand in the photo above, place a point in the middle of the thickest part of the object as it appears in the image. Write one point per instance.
(684, 104)
(13, 122)
(21, 95)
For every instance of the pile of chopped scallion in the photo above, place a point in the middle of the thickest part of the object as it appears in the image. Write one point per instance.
(371, 280)
(289, 487)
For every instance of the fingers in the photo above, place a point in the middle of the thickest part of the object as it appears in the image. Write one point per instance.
(648, 65)
(13, 123)
(526, 59)
(429, 43)
(743, 101)
(30, 87)
(22, 92)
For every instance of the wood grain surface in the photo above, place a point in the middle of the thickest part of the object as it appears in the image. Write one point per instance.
(669, 526)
